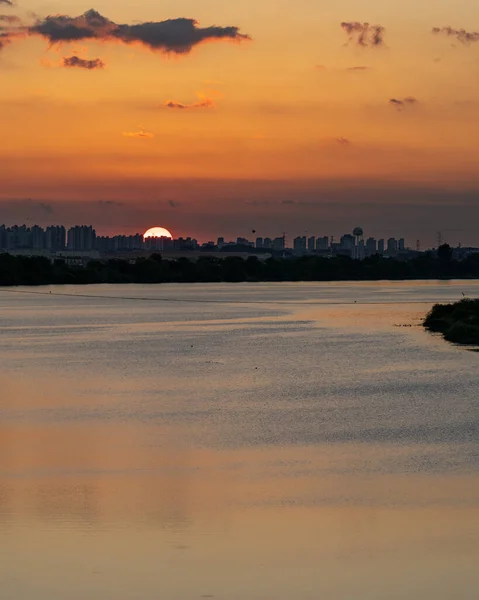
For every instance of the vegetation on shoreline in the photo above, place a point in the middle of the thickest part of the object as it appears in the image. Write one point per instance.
(458, 322)
(22, 270)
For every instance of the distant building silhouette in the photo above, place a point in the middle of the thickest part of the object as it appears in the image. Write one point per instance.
(81, 237)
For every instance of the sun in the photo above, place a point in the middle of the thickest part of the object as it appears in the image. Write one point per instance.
(157, 232)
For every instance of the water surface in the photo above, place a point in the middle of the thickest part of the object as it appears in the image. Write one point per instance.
(239, 442)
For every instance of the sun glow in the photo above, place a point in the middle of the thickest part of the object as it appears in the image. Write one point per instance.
(157, 232)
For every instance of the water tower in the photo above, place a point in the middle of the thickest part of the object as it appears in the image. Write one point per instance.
(358, 234)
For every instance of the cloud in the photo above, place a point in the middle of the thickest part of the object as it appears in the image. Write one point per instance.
(10, 19)
(7, 2)
(364, 34)
(110, 203)
(203, 102)
(401, 103)
(82, 63)
(48, 208)
(358, 68)
(178, 36)
(173, 203)
(138, 134)
(343, 141)
(463, 36)
(353, 69)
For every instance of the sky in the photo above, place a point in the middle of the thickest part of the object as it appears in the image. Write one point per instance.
(214, 118)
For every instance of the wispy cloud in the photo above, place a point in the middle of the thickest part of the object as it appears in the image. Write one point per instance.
(110, 203)
(400, 103)
(83, 63)
(7, 2)
(364, 34)
(358, 68)
(343, 141)
(10, 19)
(461, 35)
(202, 102)
(141, 133)
(353, 69)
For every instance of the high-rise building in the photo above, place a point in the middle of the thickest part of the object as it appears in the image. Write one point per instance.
(81, 238)
(220, 242)
(299, 243)
(37, 238)
(360, 250)
(259, 242)
(392, 246)
(371, 246)
(55, 237)
(381, 246)
(267, 243)
(401, 245)
(311, 243)
(347, 242)
(278, 243)
(322, 243)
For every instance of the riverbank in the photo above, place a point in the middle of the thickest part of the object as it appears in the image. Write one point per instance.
(458, 322)
(22, 270)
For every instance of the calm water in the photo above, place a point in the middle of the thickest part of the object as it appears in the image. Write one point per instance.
(237, 442)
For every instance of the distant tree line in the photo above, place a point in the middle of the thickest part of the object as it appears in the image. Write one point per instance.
(21, 270)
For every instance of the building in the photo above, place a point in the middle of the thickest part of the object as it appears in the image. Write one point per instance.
(259, 242)
(392, 246)
(37, 238)
(322, 243)
(360, 250)
(299, 243)
(347, 242)
(371, 246)
(401, 245)
(278, 243)
(55, 238)
(381, 247)
(81, 237)
(311, 243)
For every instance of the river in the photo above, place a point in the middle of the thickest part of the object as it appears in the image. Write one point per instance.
(237, 442)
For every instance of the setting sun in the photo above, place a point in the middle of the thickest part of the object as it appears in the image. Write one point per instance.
(157, 232)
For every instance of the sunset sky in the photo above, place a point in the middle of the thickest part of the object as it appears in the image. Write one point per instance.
(273, 115)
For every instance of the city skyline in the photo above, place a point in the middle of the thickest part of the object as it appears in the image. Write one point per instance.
(236, 121)
(85, 237)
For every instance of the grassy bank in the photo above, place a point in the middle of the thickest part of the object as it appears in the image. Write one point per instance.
(458, 322)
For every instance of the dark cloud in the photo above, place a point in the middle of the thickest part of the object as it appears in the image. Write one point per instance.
(82, 63)
(358, 68)
(401, 103)
(173, 203)
(463, 36)
(364, 34)
(178, 36)
(202, 103)
(343, 141)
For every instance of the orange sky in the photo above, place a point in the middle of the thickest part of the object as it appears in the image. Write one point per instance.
(280, 130)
